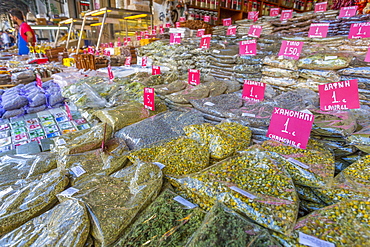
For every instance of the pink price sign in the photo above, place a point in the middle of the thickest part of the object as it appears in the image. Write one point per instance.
(128, 39)
(128, 61)
(68, 110)
(318, 30)
(253, 15)
(291, 49)
(290, 127)
(149, 98)
(359, 30)
(367, 58)
(348, 11)
(138, 38)
(177, 24)
(144, 60)
(248, 47)
(110, 73)
(231, 30)
(226, 22)
(168, 25)
(38, 81)
(156, 70)
(255, 31)
(205, 41)
(341, 95)
(182, 19)
(321, 7)
(286, 14)
(253, 91)
(175, 38)
(154, 32)
(206, 18)
(200, 32)
(274, 11)
(161, 30)
(194, 77)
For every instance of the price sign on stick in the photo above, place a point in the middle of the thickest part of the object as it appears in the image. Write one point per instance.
(161, 30)
(194, 77)
(110, 73)
(156, 70)
(68, 110)
(253, 15)
(290, 127)
(253, 91)
(341, 95)
(231, 30)
(149, 98)
(359, 31)
(226, 22)
(200, 32)
(274, 11)
(286, 14)
(177, 24)
(128, 61)
(248, 47)
(348, 11)
(182, 19)
(321, 7)
(255, 31)
(291, 49)
(38, 81)
(144, 60)
(168, 25)
(206, 18)
(175, 38)
(318, 30)
(205, 41)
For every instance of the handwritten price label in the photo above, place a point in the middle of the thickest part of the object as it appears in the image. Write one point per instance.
(290, 127)
(110, 73)
(318, 30)
(175, 38)
(339, 96)
(194, 77)
(253, 91)
(149, 98)
(274, 11)
(206, 18)
(138, 38)
(321, 7)
(348, 11)
(38, 81)
(231, 30)
(226, 22)
(205, 42)
(255, 31)
(200, 32)
(128, 61)
(286, 14)
(291, 49)
(253, 15)
(248, 47)
(182, 19)
(156, 70)
(359, 31)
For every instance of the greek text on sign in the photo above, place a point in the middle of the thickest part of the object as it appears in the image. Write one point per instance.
(128, 61)
(205, 42)
(194, 77)
(156, 70)
(339, 96)
(291, 49)
(321, 7)
(231, 30)
(348, 11)
(318, 30)
(253, 91)
(255, 31)
(286, 14)
(248, 47)
(253, 15)
(200, 32)
(313, 241)
(226, 22)
(149, 98)
(367, 58)
(274, 11)
(359, 30)
(207, 18)
(290, 127)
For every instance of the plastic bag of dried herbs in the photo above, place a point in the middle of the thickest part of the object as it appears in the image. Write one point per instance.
(325, 61)
(168, 221)
(242, 134)
(252, 183)
(320, 75)
(361, 139)
(114, 201)
(274, 61)
(277, 72)
(122, 116)
(357, 173)
(307, 194)
(83, 140)
(224, 227)
(313, 166)
(309, 207)
(28, 198)
(67, 224)
(220, 144)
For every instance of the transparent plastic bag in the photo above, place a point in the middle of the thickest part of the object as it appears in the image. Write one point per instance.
(251, 183)
(325, 61)
(165, 222)
(242, 134)
(235, 231)
(65, 224)
(361, 139)
(191, 92)
(274, 61)
(280, 81)
(307, 194)
(357, 173)
(114, 201)
(28, 198)
(358, 71)
(278, 72)
(84, 96)
(320, 75)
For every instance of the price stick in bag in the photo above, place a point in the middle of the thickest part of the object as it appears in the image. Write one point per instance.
(149, 98)
(255, 31)
(253, 91)
(200, 32)
(168, 25)
(274, 11)
(248, 47)
(193, 77)
(253, 15)
(286, 14)
(226, 22)
(128, 61)
(177, 24)
(156, 70)
(318, 30)
(110, 73)
(291, 49)
(231, 30)
(290, 127)
(348, 11)
(182, 19)
(38, 81)
(144, 60)
(206, 18)
(341, 95)
(68, 110)
(321, 7)
(175, 38)
(359, 30)
(205, 42)
(161, 30)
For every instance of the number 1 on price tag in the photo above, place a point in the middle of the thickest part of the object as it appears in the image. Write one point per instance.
(205, 42)
(248, 47)
(156, 70)
(286, 14)
(318, 30)
(200, 32)
(226, 22)
(194, 77)
(231, 30)
(253, 91)
(128, 61)
(149, 98)
(321, 7)
(274, 11)
(255, 31)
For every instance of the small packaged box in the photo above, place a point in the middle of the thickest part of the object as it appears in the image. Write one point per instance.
(36, 133)
(68, 131)
(20, 138)
(18, 124)
(51, 129)
(48, 123)
(65, 125)
(83, 126)
(5, 141)
(4, 127)
(19, 131)
(51, 135)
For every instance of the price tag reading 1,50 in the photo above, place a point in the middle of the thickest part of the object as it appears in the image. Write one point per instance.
(248, 47)
(156, 70)
(253, 91)
(318, 30)
(194, 77)
(286, 14)
(205, 42)
(341, 95)
(255, 31)
(291, 49)
(359, 31)
(149, 98)
(290, 127)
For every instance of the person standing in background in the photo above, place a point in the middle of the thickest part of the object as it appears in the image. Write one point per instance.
(26, 36)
